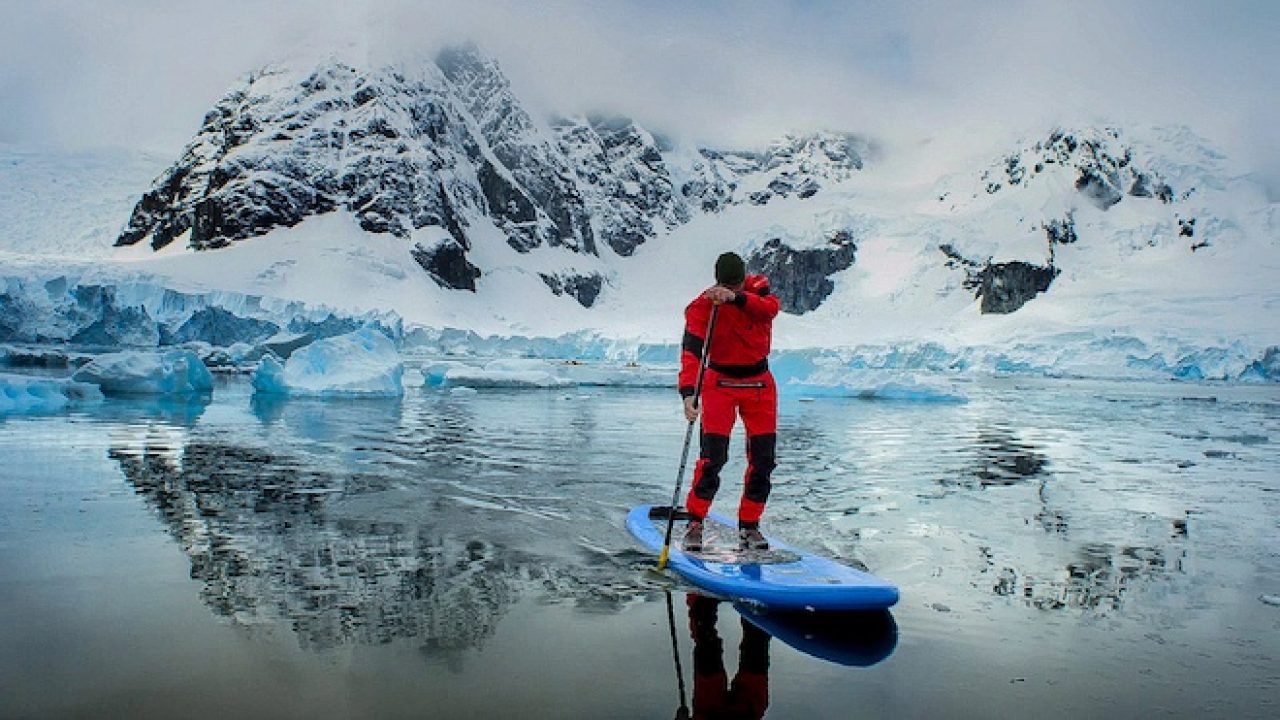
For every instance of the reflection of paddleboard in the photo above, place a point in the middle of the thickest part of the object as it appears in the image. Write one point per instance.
(858, 638)
(781, 577)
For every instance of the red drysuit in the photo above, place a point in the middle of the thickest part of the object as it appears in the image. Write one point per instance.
(737, 382)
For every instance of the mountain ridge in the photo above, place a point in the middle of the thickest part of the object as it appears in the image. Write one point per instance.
(381, 190)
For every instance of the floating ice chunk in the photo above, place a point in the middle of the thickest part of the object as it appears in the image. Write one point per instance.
(1270, 600)
(269, 377)
(171, 372)
(436, 374)
(607, 375)
(911, 392)
(364, 363)
(870, 385)
(24, 394)
(487, 377)
(534, 373)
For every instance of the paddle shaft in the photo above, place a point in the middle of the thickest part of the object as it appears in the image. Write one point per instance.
(688, 438)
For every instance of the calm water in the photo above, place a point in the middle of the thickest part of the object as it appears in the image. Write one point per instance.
(1064, 549)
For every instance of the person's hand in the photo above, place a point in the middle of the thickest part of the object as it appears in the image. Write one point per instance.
(719, 294)
(690, 409)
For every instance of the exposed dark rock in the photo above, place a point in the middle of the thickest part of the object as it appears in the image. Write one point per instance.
(1145, 186)
(801, 278)
(448, 265)
(1186, 227)
(448, 145)
(972, 268)
(629, 191)
(1101, 189)
(1002, 287)
(583, 288)
(1006, 287)
(1061, 232)
(538, 167)
(794, 164)
(1105, 167)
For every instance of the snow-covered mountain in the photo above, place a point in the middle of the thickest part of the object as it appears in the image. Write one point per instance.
(441, 154)
(430, 191)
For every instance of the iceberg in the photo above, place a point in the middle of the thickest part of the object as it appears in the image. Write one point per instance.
(869, 385)
(26, 394)
(138, 372)
(362, 363)
(631, 374)
(532, 373)
(495, 375)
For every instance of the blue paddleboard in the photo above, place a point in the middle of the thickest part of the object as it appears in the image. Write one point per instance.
(781, 577)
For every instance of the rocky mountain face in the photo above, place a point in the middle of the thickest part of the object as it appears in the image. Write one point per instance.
(1103, 165)
(795, 165)
(449, 146)
(631, 196)
(444, 155)
(1103, 169)
(802, 278)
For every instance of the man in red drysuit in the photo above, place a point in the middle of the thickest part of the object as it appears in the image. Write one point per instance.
(737, 382)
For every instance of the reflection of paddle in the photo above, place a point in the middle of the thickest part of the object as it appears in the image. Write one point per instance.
(683, 712)
(688, 436)
(855, 638)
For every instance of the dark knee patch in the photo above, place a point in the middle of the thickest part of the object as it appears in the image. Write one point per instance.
(715, 448)
(715, 453)
(761, 451)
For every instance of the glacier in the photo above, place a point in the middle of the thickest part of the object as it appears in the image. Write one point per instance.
(1078, 251)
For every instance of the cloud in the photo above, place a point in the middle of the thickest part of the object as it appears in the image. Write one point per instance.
(144, 72)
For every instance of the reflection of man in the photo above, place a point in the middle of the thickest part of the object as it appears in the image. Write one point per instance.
(714, 697)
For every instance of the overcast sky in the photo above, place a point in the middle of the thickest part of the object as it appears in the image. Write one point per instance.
(142, 73)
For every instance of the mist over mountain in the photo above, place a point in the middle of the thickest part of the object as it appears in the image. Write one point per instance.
(431, 191)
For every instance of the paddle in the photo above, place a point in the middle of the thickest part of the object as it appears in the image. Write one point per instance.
(688, 436)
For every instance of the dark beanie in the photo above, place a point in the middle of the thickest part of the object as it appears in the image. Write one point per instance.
(730, 269)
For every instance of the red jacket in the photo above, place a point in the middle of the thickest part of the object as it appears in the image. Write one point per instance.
(743, 334)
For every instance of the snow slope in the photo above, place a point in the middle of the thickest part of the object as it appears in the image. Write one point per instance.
(1154, 254)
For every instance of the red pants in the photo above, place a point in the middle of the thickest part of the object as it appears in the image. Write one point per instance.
(723, 400)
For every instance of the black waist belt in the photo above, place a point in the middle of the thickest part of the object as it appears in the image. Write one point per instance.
(741, 371)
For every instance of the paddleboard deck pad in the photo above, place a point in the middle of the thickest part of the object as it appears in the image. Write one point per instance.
(780, 577)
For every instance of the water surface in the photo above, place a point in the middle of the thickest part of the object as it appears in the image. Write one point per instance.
(1064, 549)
